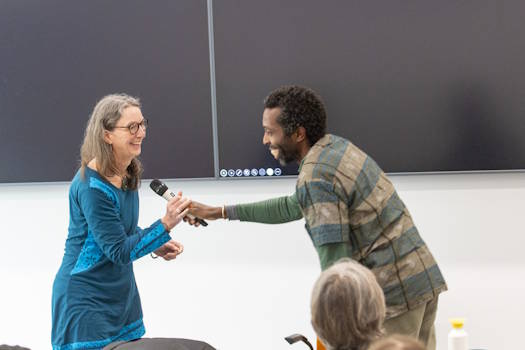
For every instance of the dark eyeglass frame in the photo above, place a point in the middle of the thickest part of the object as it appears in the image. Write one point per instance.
(134, 127)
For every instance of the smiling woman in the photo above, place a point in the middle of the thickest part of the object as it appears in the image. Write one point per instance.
(95, 299)
(125, 141)
(108, 147)
(130, 144)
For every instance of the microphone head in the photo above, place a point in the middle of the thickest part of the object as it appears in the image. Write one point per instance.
(158, 187)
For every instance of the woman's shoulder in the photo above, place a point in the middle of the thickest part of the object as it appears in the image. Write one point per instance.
(83, 177)
(90, 186)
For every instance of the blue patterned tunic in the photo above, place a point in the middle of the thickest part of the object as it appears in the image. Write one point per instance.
(95, 297)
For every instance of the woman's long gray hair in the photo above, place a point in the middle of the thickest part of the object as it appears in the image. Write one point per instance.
(347, 306)
(105, 116)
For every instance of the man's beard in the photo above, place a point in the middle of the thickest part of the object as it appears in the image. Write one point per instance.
(286, 156)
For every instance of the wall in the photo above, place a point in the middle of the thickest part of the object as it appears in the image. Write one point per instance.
(241, 285)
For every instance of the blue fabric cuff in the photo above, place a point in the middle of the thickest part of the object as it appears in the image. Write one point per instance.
(155, 237)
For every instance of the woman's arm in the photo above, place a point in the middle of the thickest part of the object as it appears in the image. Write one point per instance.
(102, 214)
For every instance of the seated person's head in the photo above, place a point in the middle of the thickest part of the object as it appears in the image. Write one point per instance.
(397, 342)
(348, 306)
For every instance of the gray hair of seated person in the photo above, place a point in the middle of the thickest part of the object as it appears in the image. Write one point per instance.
(397, 342)
(347, 306)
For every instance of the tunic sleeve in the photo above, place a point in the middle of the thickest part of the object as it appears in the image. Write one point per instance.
(102, 213)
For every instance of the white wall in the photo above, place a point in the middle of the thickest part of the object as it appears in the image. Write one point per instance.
(241, 285)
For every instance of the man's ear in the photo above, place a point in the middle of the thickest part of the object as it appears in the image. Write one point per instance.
(300, 134)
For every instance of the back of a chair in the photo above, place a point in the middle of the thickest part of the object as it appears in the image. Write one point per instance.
(160, 344)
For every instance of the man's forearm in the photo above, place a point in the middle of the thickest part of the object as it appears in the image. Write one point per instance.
(270, 211)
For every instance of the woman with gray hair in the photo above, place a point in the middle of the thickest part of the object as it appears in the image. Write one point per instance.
(95, 298)
(348, 307)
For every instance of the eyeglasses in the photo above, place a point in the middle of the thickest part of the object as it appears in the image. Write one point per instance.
(134, 127)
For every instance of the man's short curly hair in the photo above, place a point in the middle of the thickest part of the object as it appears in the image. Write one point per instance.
(300, 106)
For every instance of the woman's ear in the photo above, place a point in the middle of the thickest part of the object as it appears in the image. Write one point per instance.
(107, 137)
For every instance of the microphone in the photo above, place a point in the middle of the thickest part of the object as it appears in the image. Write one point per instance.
(161, 189)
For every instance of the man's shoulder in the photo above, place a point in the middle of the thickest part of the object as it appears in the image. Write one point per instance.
(328, 155)
(326, 147)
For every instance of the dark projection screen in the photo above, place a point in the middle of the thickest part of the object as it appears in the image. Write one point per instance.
(58, 57)
(421, 86)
